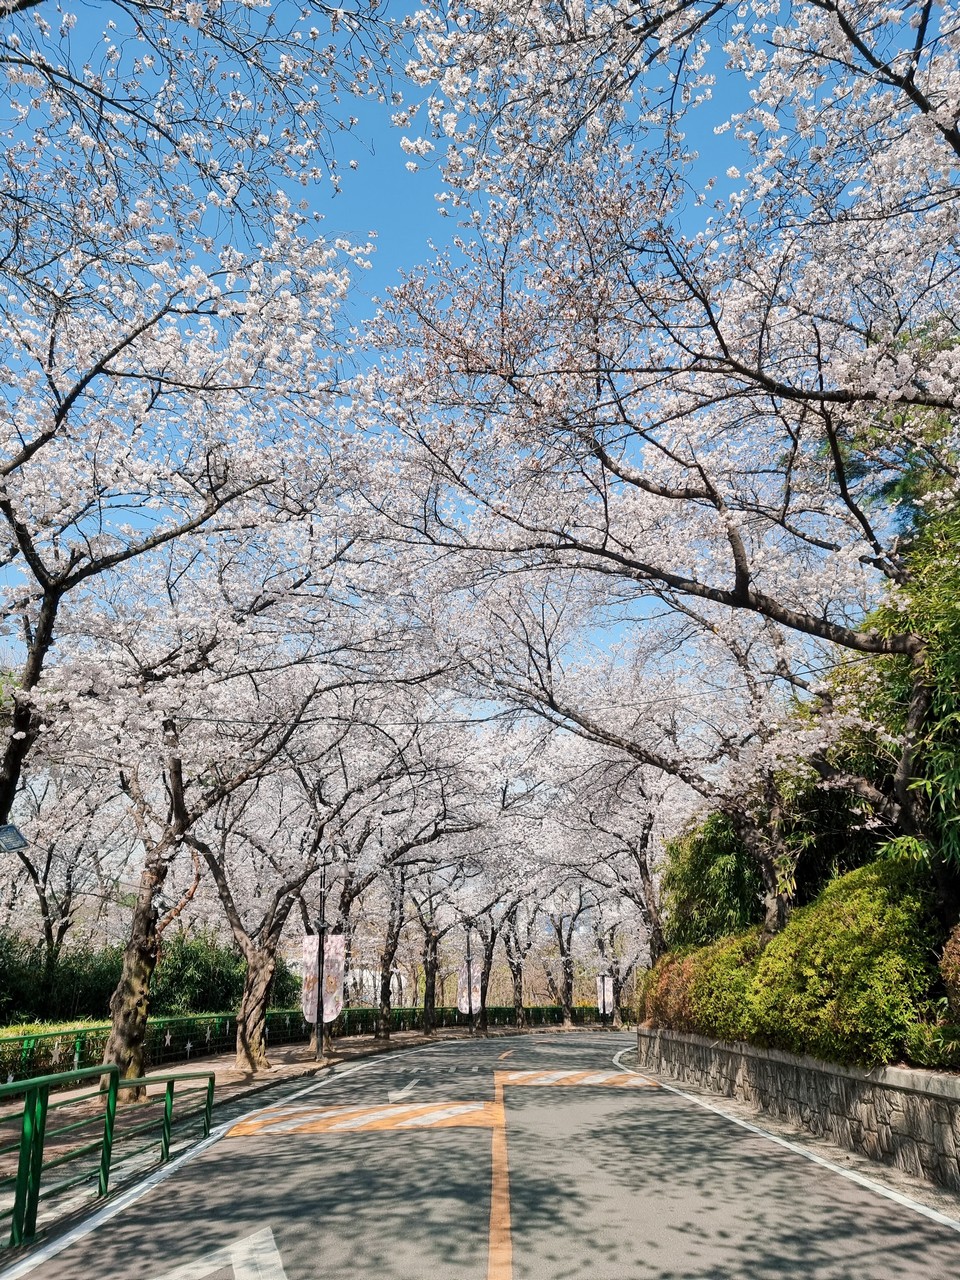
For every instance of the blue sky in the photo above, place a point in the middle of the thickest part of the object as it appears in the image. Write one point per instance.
(383, 196)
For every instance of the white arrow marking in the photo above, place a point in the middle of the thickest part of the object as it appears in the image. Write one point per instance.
(254, 1257)
(397, 1095)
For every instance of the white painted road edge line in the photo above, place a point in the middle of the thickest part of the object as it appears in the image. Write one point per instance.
(888, 1193)
(135, 1193)
(126, 1198)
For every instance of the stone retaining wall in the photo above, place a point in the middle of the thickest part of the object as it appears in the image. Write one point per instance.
(904, 1117)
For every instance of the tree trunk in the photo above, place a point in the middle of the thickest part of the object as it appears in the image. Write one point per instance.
(486, 968)
(617, 978)
(24, 722)
(130, 1003)
(431, 963)
(516, 973)
(252, 1017)
(388, 956)
(765, 846)
(566, 990)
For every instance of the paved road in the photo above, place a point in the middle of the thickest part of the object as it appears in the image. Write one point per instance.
(535, 1158)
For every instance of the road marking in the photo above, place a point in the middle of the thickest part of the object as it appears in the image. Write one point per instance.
(501, 1056)
(347, 1119)
(500, 1246)
(255, 1257)
(608, 1079)
(125, 1199)
(887, 1192)
(397, 1095)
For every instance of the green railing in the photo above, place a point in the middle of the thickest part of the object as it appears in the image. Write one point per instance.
(77, 1135)
(185, 1039)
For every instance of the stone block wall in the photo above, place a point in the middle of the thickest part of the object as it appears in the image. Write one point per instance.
(901, 1116)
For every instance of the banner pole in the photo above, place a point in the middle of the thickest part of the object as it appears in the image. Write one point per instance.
(321, 931)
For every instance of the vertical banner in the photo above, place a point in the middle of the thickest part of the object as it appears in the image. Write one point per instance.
(605, 994)
(465, 997)
(311, 976)
(334, 956)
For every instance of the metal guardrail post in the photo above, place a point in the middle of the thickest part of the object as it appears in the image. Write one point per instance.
(23, 1169)
(167, 1122)
(208, 1108)
(31, 1160)
(36, 1161)
(109, 1118)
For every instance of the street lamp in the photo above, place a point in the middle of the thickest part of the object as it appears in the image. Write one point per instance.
(321, 927)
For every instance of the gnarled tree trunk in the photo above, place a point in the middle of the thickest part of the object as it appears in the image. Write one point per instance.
(252, 1015)
(130, 1002)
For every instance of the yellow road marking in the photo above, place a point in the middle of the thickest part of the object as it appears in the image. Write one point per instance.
(425, 1115)
(500, 1247)
(606, 1079)
(444, 1115)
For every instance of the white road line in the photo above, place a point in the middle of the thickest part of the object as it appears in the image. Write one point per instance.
(877, 1188)
(368, 1117)
(137, 1192)
(255, 1257)
(429, 1118)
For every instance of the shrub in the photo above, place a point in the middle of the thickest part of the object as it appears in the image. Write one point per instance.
(950, 971)
(934, 1044)
(845, 978)
(667, 993)
(705, 990)
(848, 979)
(196, 974)
(76, 984)
(711, 885)
(720, 988)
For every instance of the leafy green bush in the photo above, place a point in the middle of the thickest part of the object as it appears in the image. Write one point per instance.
(198, 974)
(666, 994)
(711, 885)
(195, 974)
(846, 977)
(705, 990)
(720, 988)
(76, 984)
(934, 1044)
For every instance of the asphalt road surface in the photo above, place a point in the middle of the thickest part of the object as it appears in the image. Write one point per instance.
(531, 1158)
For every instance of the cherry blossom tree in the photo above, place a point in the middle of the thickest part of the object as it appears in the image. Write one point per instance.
(697, 402)
(78, 845)
(148, 401)
(231, 99)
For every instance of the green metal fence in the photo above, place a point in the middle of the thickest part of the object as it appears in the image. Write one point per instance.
(199, 1036)
(50, 1148)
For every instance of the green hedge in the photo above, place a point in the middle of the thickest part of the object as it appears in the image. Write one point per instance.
(193, 975)
(174, 1040)
(848, 980)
